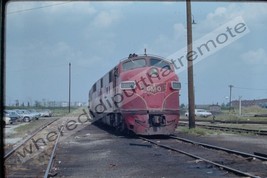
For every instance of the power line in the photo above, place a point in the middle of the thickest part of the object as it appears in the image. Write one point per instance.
(36, 8)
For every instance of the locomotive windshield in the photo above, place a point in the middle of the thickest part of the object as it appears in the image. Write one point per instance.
(160, 63)
(132, 64)
(141, 62)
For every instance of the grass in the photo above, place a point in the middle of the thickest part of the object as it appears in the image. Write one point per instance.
(60, 112)
(246, 126)
(57, 111)
(254, 110)
(233, 115)
(236, 118)
(28, 128)
(77, 112)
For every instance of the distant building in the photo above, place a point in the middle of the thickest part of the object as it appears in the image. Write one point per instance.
(215, 108)
(79, 104)
(202, 106)
(64, 104)
(259, 102)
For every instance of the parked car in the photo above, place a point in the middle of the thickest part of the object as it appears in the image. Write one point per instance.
(35, 113)
(26, 116)
(12, 115)
(200, 113)
(6, 120)
(46, 113)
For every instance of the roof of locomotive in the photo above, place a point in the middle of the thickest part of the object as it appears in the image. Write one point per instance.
(137, 56)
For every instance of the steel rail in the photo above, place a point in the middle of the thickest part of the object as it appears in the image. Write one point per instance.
(228, 121)
(47, 172)
(258, 132)
(244, 154)
(26, 139)
(238, 172)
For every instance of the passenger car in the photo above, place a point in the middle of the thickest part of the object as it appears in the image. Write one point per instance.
(6, 120)
(45, 113)
(200, 113)
(13, 115)
(34, 113)
(26, 116)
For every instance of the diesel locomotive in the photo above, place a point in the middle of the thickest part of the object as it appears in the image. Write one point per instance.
(140, 95)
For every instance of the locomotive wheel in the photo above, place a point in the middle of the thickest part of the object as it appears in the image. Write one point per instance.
(125, 131)
(122, 128)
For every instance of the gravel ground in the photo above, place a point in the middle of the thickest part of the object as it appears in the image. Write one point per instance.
(93, 152)
(31, 159)
(90, 151)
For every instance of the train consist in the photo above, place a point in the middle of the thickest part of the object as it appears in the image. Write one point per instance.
(140, 95)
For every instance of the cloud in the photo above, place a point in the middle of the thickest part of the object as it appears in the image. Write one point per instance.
(105, 19)
(220, 11)
(251, 12)
(179, 30)
(255, 57)
(255, 12)
(85, 8)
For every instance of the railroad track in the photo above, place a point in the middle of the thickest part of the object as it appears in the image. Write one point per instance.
(230, 129)
(20, 144)
(37, 161)
(48, 172)
(228, 121)
(233, 161)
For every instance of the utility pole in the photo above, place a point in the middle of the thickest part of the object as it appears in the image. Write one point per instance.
(240, 106)
(230, 98)
(191, 96)
(69, 84)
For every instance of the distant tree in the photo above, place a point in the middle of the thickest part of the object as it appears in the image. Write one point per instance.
(28, 104)
(17, 103)
(44, 102)
(37, 103)
(182, 105)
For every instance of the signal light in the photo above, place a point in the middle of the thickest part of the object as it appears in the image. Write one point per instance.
(175, 85)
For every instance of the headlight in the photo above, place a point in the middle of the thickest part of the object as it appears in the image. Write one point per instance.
(176, 85)
(153, 72)
(128, 85)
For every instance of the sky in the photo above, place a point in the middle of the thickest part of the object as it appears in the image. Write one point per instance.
(42, 38)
